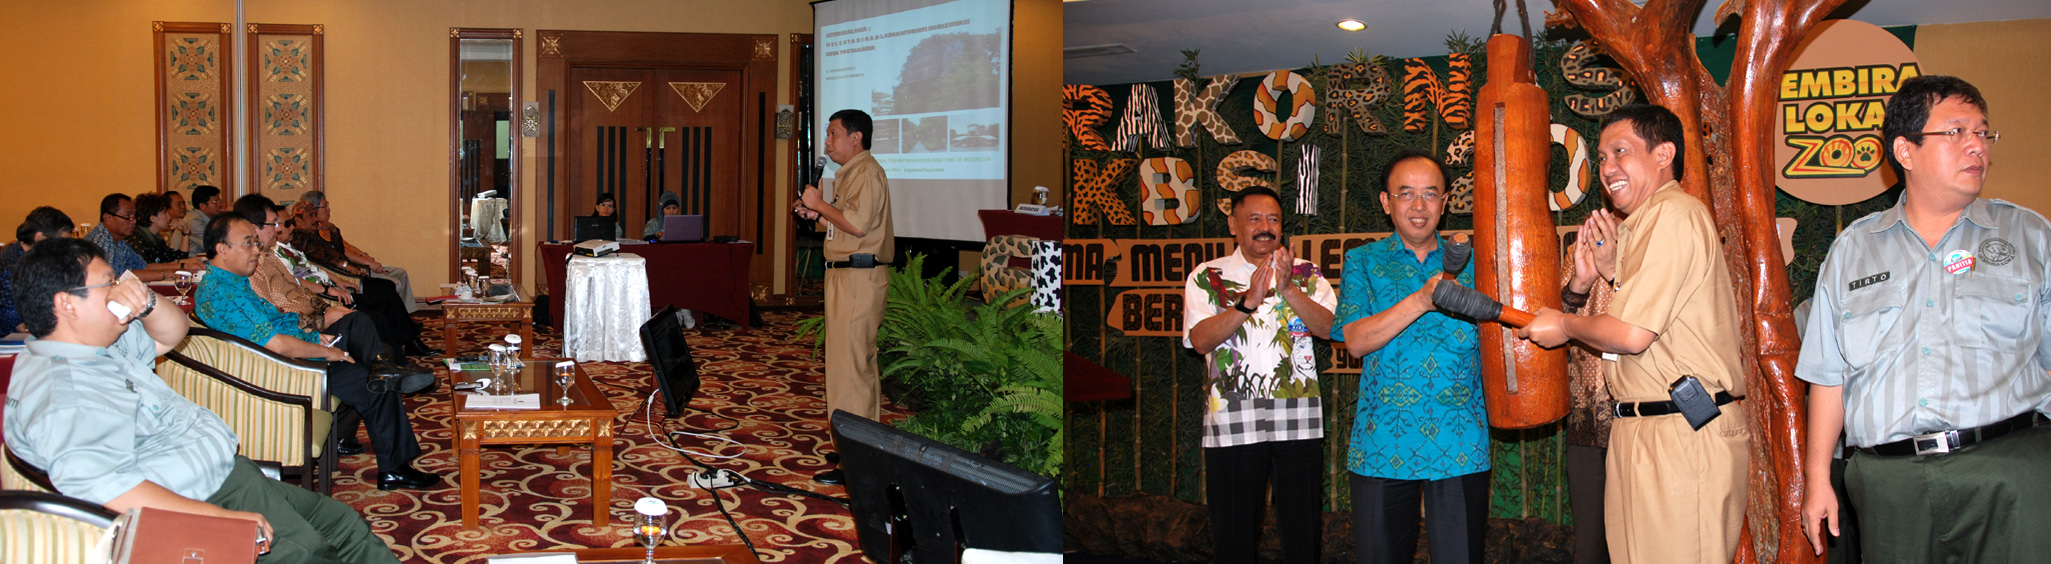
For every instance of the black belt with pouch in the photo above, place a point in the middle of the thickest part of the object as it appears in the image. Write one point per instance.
(1690, 400)
(857, 260)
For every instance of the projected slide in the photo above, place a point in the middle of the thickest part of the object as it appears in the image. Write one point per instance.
(934, 74)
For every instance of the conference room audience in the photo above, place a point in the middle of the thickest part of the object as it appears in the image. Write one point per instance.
(227, 301)
(88, 409)
(43, 224)
(117, 224)
(323, 241)
(152, 213)
(379, 300)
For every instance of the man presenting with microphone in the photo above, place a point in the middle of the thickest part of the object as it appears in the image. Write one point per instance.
(858, 247)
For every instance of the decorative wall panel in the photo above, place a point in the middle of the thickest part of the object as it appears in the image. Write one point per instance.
(287, 142)
(193, 101)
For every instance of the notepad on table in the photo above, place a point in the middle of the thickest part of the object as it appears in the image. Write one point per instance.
(515, 401)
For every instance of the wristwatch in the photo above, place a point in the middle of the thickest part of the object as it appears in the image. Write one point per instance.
(1241, 306)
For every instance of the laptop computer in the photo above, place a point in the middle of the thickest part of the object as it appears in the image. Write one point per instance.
(594, 227)
(683, 228)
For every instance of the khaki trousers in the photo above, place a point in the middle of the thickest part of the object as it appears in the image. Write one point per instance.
(854, 309)
(1674, 494)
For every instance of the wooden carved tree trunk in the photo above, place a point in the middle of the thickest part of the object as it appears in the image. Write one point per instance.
(1730, 168)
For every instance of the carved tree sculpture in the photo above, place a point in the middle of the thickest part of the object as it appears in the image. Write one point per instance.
(1734, 128)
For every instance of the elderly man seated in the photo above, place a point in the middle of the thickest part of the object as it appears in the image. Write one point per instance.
(86, 406)
(323, 241)
(227, 301)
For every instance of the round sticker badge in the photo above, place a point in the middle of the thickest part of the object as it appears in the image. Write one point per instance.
(1958, 261)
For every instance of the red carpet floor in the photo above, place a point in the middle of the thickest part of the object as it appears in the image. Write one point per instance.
(533, 499)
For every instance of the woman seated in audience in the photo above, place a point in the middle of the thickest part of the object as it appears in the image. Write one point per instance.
(609, 208)
(152, 213)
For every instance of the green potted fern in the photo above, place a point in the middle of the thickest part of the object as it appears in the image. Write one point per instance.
(988, 374)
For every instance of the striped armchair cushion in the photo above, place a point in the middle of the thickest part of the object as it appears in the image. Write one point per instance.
(12, 480)
(39, 528)
(269, 430)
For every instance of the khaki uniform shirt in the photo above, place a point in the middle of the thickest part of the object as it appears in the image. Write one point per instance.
(862, 195)
(1673, 282)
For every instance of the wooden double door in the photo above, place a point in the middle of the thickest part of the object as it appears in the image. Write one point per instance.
(639, 114)
(639, 132)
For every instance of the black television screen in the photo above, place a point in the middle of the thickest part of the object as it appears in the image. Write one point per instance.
(934, 496)
(594, 227)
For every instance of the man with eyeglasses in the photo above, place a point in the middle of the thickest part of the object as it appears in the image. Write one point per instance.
(86, 406)
(1252, 315)
(117, 223)
(1674, 489)
(226, 301)
(1408, 454)
(1927, 348)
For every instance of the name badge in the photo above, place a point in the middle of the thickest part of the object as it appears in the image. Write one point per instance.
(1958, 261)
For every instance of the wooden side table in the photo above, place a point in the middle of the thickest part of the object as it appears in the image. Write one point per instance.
(586, 420)
(520, 314)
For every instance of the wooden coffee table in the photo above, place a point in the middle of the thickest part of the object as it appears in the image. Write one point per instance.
(586, 420)
(520, 314)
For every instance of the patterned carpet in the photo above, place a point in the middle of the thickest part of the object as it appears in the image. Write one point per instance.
(532, 499)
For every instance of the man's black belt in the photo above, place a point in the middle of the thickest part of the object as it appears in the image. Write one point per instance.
(1651, 408)
(1946, 441)
(831, 264)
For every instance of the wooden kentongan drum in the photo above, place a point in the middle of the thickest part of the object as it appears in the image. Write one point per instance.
(1516, 246)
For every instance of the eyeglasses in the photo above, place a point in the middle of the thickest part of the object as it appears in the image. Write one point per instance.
(250, 243)
(1956, 134)
(267, 225)
(81, 289)
(1411, 196)
(123, 217)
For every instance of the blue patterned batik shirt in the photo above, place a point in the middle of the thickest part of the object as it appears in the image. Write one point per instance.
(227, 303)
(1420, 414)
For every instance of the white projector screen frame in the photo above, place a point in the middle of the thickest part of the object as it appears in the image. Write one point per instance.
(950, 169)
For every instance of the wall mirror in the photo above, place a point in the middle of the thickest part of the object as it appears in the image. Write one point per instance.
(484, 142)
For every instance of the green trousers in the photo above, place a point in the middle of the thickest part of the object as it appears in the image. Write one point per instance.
(305, 525)
(1989, 503)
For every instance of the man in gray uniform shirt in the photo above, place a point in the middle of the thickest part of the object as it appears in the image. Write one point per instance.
(1927, 347)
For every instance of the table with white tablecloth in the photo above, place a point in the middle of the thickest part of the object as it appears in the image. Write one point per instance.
(605, 301)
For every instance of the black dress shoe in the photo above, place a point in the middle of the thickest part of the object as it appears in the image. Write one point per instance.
(416, 381)
(349, 447)
(833, 458)
(407, 478)
(830, 477)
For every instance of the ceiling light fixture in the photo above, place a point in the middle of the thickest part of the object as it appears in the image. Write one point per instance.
(1350, 24)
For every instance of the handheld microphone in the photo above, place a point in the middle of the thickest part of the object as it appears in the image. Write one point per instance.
(818, 170)
(1473, 304)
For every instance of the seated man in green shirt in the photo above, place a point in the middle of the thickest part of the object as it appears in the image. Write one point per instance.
(86, 406)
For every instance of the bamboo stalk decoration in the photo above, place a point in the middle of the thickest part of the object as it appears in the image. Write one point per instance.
(1732, 130)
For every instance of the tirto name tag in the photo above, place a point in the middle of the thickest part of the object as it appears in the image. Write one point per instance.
(1612, 357)
(1958, 261)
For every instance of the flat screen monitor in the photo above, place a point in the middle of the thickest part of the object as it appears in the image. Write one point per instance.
(932, 496)
(683, 228)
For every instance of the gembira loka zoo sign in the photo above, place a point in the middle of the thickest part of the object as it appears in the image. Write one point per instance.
(1832, 101)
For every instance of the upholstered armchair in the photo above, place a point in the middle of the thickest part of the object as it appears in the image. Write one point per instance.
(42, 527)
(18, 475)
(278, 406)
